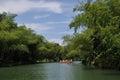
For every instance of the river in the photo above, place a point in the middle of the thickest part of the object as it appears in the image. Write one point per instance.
(56, 71)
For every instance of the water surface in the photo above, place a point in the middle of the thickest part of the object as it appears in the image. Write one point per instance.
(56, 71)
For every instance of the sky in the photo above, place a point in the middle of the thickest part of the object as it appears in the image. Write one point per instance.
(50, 18)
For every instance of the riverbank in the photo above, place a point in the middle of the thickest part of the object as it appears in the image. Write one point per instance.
(26, 63)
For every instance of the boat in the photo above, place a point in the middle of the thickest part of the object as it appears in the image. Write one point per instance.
(66, 61)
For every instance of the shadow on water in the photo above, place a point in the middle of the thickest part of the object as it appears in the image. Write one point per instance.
(25, 72)
(112, 73)
(81, 72)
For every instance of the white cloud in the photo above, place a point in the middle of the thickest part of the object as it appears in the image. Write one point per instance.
(21, 6)
(60, 22)
(41, 16)
(37, 27)
(67, 32)
(60, 41)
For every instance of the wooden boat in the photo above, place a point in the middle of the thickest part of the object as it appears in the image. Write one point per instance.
(66, 61)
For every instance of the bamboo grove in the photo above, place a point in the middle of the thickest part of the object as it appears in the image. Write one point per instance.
(99, 41)
(20, 45)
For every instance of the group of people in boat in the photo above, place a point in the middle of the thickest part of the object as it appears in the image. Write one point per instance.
(66, 61)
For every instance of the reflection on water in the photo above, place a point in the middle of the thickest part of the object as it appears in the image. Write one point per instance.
(66, 72)
(56, 71)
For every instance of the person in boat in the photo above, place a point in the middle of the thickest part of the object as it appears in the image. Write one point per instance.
(66, 61)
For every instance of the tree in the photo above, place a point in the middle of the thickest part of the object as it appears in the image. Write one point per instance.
(50, 51)
(19, 45)
(97, 42)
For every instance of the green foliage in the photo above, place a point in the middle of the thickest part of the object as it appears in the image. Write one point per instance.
(71, 48)
(50, 51)
(73, 54)
(99, 42)
(18, 45)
